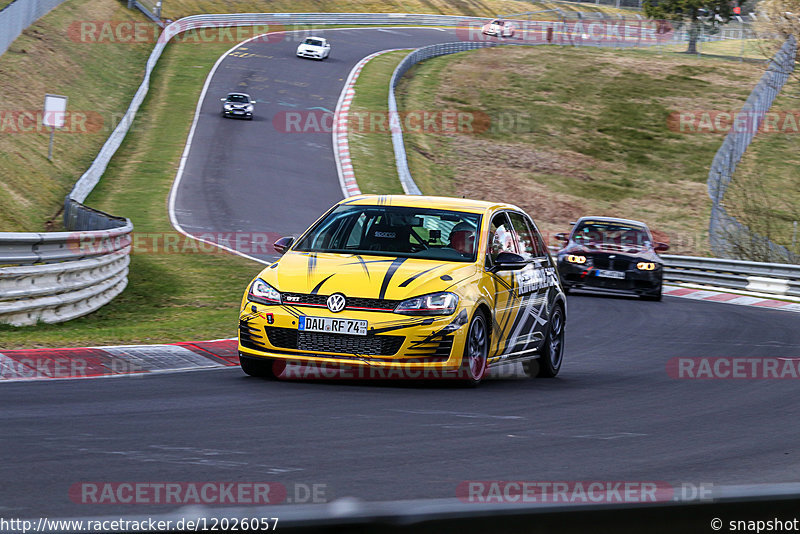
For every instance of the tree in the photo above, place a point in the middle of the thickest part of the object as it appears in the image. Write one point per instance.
(783, 16)
(698, 15)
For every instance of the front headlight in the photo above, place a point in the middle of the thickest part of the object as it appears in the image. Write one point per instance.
(645, 266)
(249, 107)
(443, 303)
(576, 259)
(228, 106)
(263, 293)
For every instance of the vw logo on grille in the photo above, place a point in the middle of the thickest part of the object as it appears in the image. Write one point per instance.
(336, 302)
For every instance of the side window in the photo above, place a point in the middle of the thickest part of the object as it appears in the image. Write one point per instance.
(527, 239)
(501, 238)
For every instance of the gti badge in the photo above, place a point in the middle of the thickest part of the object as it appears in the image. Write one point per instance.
(336, 302)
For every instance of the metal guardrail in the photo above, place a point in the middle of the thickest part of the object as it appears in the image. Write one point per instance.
(772, 278)
(58, 276)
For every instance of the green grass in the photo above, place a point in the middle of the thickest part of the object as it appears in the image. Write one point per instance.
(371, 151)
(577, 131)
(170, 297)
(747, 48)
(99, 79)
(175, 9)
(770, 166)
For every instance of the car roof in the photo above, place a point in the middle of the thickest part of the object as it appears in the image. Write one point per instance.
(422, 201)
(238, 94)
(611, 219)
(315, 37)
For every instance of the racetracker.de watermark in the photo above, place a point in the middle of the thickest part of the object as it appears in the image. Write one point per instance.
(733, 368)
(579, 491)
(163, 243)
(204, 493)
(630, 32)
(192, 32)
(382, 122)
(722, 122)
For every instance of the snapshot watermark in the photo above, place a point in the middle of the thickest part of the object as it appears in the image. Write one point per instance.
(723, 122)
(733, 368)
(204, 493)
(580, 491)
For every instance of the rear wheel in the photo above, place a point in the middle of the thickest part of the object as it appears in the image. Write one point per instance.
(262, 367)
(473, 363)
(549, 363)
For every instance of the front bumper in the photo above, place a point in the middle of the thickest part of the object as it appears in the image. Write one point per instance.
(636, 281)
(392, 340)
(309, 54)
(238, 113)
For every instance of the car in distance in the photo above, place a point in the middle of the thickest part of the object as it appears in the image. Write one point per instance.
(607, 253)
(498, 28)
(314, 48)
(238, 105)
(440, 287)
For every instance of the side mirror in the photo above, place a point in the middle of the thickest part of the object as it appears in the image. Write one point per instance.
(222, 100)
(252, 101)
(661, 247)
(562, 237)
(508, 261)
(283, 244)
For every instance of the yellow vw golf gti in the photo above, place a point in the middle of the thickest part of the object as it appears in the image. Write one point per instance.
(429, 287)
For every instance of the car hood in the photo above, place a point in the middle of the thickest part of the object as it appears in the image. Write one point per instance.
(363, 276)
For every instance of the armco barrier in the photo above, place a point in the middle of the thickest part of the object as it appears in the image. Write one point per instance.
(58, 276)
(772, 278)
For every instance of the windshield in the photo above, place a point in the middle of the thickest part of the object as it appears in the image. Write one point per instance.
(611, 234)
(238, 98)
(313, 42)
(396, 231)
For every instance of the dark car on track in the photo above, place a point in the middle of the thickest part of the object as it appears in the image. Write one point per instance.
(238, 105)
(607, 253)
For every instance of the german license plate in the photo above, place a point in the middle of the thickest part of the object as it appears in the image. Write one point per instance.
(332, 326)
(610, 274)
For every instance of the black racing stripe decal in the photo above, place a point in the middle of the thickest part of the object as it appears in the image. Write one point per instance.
(292, 310)
(400, 326)
(363, 265)
(363, 261)
(319, 286)
(388, 277)
(312, 263)
(404, 284)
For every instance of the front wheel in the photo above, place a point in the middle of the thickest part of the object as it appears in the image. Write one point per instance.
(262, 367)
(476, 349)
(549, 363)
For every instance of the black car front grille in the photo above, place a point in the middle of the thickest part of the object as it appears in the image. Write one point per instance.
(353, 303)
(602, 261)
(369, 345)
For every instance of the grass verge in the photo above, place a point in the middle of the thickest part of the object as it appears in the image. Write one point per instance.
(172, 297)
(99, 80)
(562, 147)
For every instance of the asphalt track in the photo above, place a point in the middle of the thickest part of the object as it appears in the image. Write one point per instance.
(613, 414)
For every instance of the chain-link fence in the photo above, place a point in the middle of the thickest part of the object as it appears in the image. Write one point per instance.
(728, 237)
(20, 14)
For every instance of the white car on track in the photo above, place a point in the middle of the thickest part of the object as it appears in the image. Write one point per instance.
(499, 28)
(314, 48)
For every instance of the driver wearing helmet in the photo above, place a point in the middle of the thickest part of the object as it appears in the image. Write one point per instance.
(462, 238)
